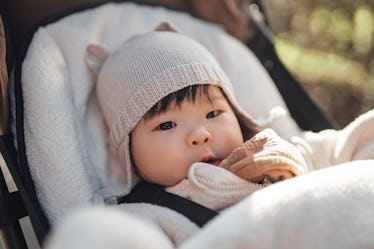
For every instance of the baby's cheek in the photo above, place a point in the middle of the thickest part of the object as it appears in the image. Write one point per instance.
(232, 142)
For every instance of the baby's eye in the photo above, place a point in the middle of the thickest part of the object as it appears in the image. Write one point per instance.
(167, 125)
(213, 114)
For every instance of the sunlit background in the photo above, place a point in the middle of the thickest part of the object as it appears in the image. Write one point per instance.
(329, 47)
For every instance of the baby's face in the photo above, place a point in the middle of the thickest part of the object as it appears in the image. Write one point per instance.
(166, 145)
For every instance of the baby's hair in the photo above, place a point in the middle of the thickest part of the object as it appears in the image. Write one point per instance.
(188, 93)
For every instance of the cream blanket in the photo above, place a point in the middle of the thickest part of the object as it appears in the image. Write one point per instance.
(330, 208)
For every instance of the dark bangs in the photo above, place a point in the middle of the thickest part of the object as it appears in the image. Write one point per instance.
(189, 93)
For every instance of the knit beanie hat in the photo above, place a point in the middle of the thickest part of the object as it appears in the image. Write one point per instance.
(142, 71)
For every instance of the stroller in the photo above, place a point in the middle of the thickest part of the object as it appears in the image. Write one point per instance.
(18, 44)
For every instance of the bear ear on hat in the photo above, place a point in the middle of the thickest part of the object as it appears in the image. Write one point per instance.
(167, 26)
(95, 57)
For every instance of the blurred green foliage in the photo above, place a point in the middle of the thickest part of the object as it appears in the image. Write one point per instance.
(329, 46)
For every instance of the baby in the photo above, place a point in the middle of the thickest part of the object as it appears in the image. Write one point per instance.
(173, 121)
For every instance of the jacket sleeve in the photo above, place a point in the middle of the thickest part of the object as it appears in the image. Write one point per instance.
(332, 147)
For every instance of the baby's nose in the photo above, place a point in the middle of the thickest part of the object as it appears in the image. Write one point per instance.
(199, 136)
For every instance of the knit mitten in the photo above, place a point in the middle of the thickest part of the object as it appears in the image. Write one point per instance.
(265, 158)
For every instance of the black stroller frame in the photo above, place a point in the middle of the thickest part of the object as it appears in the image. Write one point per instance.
(21, 203)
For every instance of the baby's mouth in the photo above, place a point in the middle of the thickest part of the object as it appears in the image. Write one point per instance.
(211, 160)
(215, 162)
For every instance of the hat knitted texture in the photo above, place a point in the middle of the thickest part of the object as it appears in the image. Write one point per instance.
(142, 71)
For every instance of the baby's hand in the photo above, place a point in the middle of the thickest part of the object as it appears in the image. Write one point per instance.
(265, 158)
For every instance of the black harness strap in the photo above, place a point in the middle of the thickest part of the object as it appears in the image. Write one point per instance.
(156, 194)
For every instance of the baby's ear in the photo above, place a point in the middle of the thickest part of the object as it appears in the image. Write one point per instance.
(95, 57)
(166, 26)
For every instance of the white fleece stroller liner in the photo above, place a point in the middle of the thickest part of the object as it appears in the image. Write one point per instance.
(65, 135)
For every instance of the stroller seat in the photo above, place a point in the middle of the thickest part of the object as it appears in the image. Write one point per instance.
(64, 133)
(60, 133)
